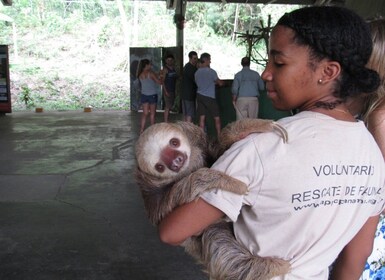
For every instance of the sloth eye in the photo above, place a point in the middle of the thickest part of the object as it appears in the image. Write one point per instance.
(174, 142)
(159, 167)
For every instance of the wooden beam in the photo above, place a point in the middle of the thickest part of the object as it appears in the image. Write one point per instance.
(282, 2)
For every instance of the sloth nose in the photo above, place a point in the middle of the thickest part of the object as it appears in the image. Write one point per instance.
(177, 163)
(173, 159)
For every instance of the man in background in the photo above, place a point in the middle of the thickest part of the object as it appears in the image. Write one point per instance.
(189, 87)
(206, 79)
(246, 89)
(169, 77)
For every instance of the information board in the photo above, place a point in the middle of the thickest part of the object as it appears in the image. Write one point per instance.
(5, 92)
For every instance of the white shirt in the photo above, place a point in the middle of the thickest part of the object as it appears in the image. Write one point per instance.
(307, 198)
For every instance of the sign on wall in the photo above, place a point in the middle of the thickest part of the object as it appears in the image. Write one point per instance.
(5, 93)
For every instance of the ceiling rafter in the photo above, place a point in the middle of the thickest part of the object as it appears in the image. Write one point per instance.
(285, 2)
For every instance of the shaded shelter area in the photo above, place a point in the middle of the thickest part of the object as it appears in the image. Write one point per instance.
(69, 206)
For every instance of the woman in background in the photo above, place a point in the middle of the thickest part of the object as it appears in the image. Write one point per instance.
(371, 108)
(150, 83)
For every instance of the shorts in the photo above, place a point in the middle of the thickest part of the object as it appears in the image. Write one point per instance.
(188, 108)
(169, 100)
(207, 106)
(151, 99)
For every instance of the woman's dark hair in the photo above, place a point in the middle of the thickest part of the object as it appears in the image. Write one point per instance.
(141, 66)
(340, 35)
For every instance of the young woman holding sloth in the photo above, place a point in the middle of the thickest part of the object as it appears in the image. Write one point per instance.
(315, 200)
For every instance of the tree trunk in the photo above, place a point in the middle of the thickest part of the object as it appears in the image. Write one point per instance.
(126, 32)
(235, 23)
(135, 23)
(123, 21)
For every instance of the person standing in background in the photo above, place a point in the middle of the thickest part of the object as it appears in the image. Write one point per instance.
(169, 77)
(189, 88)
(246, 89)
(206, 80)
(149, 97)
(371, 108)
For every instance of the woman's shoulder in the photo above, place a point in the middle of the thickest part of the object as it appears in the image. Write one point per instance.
(377, 117)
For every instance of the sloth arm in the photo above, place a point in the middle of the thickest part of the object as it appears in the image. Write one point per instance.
(188, 220)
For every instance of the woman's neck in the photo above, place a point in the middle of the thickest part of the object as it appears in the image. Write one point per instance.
(334, 108)
(337, 111)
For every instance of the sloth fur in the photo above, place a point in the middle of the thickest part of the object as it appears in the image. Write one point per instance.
(165, 185)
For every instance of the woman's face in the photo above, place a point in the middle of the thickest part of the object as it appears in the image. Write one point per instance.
(148, 66)
(290, 82)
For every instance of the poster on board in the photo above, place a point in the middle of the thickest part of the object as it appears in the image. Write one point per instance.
(5, 94)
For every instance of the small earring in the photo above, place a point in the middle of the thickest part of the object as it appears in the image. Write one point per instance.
(320, 81)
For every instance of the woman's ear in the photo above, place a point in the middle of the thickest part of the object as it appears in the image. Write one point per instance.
(331, 70)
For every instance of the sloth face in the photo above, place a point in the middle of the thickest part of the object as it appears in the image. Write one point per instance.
(163, 150)
(171, 157)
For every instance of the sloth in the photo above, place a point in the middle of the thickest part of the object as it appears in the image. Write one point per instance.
(173, 161)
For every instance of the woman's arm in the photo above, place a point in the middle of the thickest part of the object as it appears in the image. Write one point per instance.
(188, 220)
(219, 82)
(376, 126)
(351, 261)
(155, 78)
(377, 129)
(162, 76)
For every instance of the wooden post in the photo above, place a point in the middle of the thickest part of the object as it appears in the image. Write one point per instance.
(179, 20)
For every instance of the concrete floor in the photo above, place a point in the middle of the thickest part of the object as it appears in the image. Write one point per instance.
(69, 207)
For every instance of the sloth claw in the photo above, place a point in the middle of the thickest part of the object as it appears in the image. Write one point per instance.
(281, 130)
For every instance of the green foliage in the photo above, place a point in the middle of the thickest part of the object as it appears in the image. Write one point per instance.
(32, 70)
(266, 18)
(156, 25)
(70, 94)
(26, 96)
(73, 54)
(30, 98)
